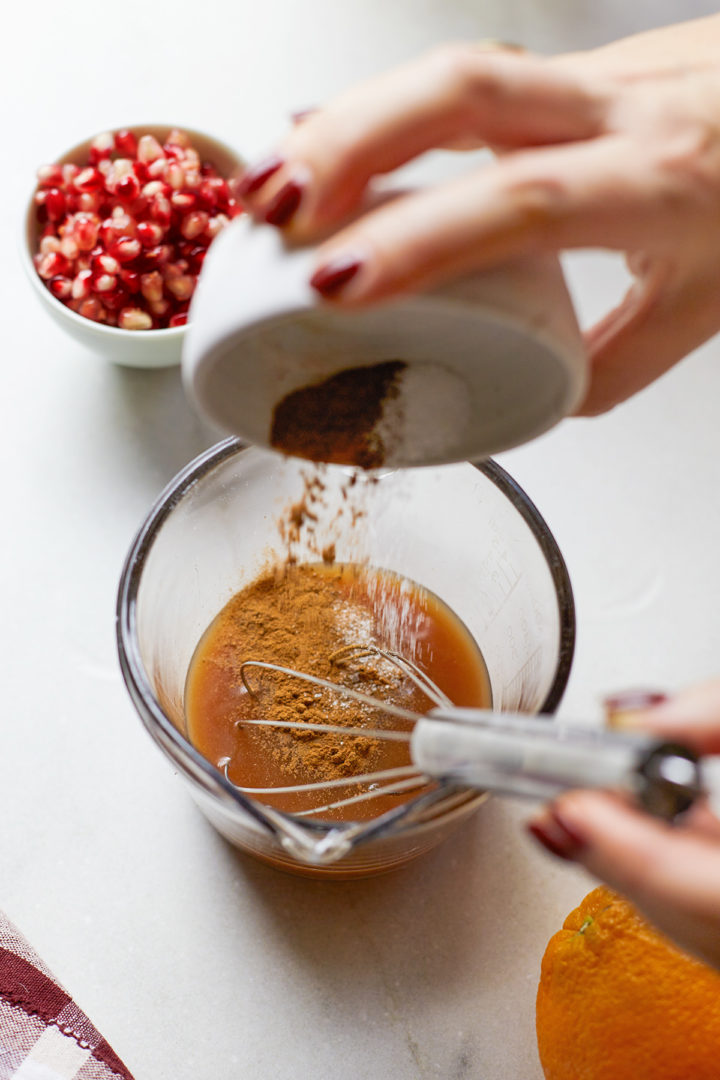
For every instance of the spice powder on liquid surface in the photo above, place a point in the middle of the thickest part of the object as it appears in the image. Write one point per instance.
(300, 616)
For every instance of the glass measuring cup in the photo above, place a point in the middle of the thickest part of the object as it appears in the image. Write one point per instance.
(466, 532)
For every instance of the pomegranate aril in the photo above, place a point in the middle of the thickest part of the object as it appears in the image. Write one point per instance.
(197, 258)
(101, 147)
(157, 256)
(115, 299)
(89, 202)
(81, 285)
(179, 319)
(193, 179)
(155, 187)
(50, 176)
(134, 319)
(126, 143)
(126, 249)
(216, 224)
(50, 243)
(141, 171)
(181, 287)
(117, 227)
(104, 283)
(92, 309)
(160, 210)
(179, 138)
(102, 263)
(148, 149)
(151, 285)
(69, 172)
(85, 231)
(128, 187)
(159, 308)
(193, 224)
(40, 207)
(89, 179)
(69, 248)
(130, 280)
(60, 286)
(150, 233)
(53, 263)
(157, 168)
(174, 176)
(183, 201)
(214, 193)
(121, 166)
(55, 204)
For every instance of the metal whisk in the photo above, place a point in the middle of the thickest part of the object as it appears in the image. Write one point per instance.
(508, 753)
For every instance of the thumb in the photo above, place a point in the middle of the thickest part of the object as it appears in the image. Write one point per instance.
(660, 320)
(672, 873)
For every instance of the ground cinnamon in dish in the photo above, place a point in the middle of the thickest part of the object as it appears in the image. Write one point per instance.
(335, 420)
(300, 617)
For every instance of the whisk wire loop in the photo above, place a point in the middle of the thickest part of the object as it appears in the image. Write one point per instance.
(364, 699)
(401, 779)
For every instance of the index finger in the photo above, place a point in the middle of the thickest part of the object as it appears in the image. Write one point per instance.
(503, 98)
(692, 716)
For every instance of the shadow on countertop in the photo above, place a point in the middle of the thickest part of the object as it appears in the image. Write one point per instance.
(427, 929)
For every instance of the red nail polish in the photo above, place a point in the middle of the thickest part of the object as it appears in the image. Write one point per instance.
(285, 203)
(557, 836)
(629, 700)
(575, 838)
(255, 176)
(328, 280)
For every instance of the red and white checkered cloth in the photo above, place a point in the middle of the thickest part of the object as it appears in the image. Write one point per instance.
(43, 1034)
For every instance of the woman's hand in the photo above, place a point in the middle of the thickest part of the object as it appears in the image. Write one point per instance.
(616, 148)
(671, 872)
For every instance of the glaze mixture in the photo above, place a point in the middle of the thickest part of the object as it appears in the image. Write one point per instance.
(305, 617)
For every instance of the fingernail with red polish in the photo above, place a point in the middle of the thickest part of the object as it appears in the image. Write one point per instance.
(630, 700)
(558, 836)
(329, 279)
(283, 206)
(255, 176)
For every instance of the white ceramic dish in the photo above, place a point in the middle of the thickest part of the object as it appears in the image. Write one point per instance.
(133, 348)
(501, 352)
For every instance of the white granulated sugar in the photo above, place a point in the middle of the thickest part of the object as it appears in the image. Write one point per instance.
(355, 624)
(428, 417)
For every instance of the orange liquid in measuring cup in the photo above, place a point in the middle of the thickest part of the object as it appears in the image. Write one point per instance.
(301, 618)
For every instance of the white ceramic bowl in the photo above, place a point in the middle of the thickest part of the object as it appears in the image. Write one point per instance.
(498, 357)
(132, 348)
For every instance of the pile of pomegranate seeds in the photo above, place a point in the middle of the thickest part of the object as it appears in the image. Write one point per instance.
(123, 239)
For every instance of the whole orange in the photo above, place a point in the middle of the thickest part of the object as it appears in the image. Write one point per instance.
(618, 1001)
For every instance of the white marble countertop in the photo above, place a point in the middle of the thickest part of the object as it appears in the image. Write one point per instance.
(195, 962)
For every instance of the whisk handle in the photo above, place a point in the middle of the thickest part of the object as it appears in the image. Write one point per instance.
(538, 758)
